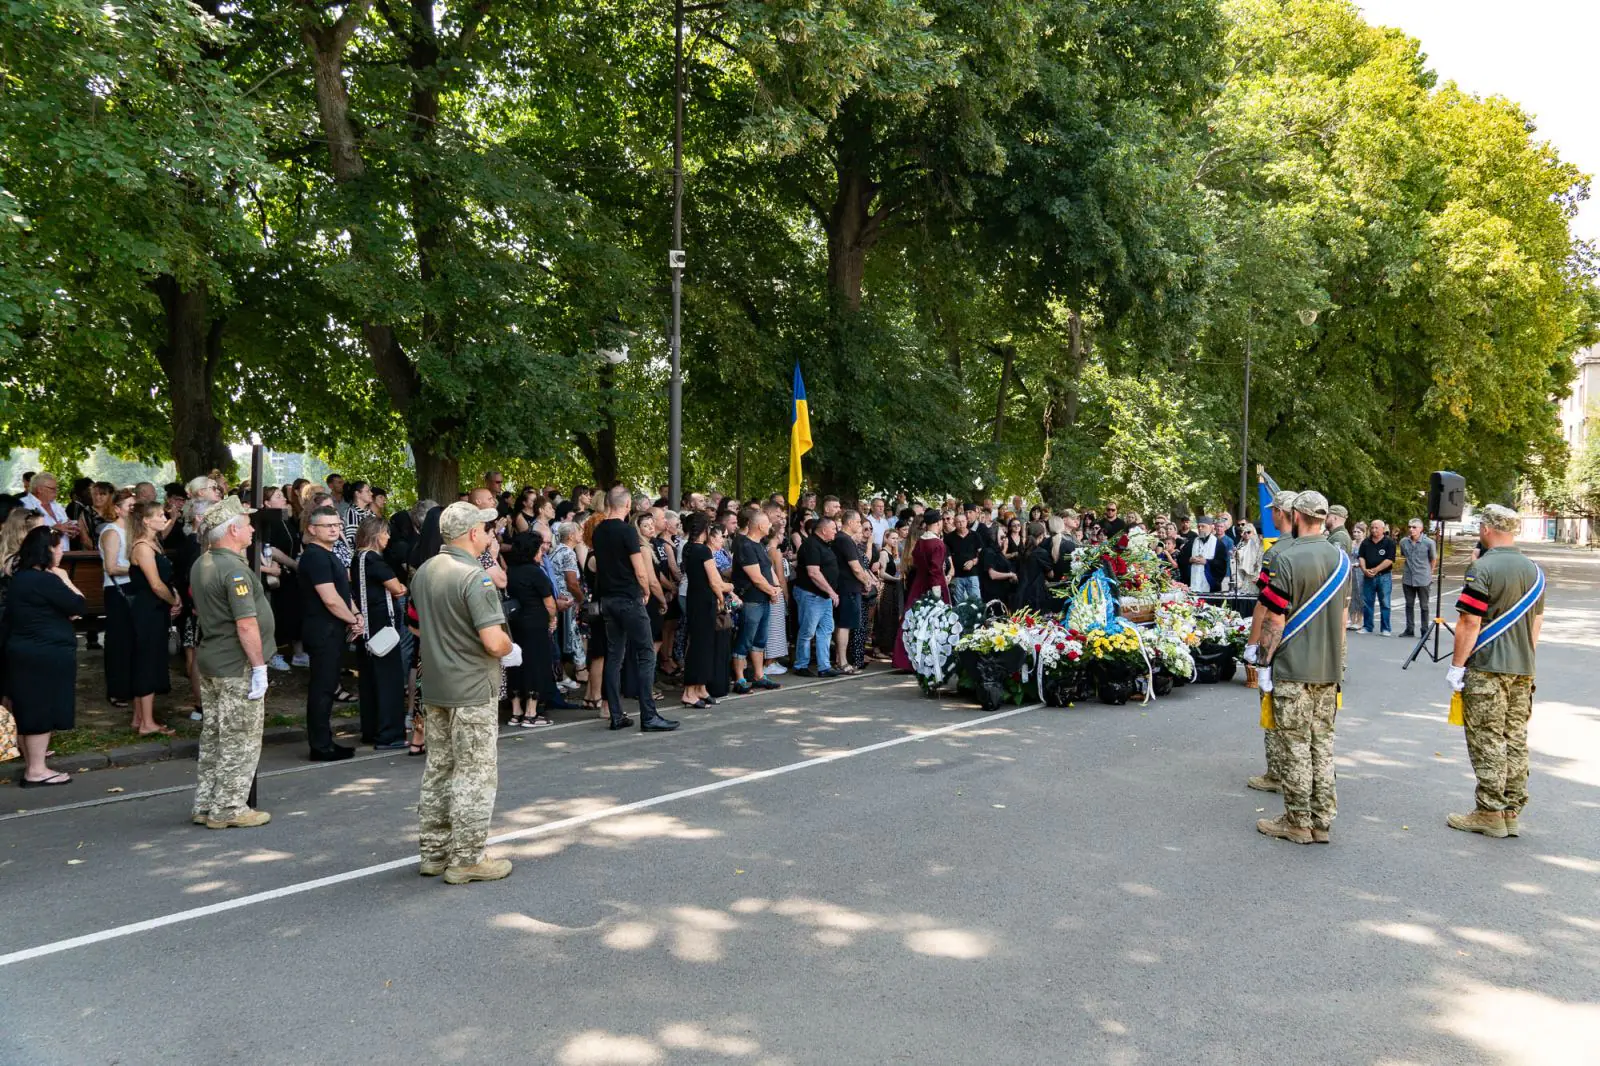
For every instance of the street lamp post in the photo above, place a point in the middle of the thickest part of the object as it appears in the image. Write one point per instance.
(675, 261)
(1244, 434)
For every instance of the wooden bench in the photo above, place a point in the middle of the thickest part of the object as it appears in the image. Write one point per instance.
(88, 573)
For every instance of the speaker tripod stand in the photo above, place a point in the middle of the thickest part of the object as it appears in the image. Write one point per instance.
(1437, 622)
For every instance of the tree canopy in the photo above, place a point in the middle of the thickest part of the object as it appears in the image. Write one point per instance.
(1016, 246)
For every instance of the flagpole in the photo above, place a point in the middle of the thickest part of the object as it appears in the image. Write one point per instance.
(1244, 433)
(675, 259)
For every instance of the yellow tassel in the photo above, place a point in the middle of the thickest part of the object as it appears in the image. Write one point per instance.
(1338, 699)
(1267, 720)
(1458, 715)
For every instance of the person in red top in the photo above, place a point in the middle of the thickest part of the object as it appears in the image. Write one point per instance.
(928, 573)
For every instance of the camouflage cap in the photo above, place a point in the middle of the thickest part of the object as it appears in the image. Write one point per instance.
(461, 516)
(1312, 503)
(219, 514)
(1502, 519)
(1284, 500)
(1339, 510)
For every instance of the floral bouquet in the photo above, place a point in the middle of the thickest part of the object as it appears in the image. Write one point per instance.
(1059, 657)
(1170, 652)
(1130, 560)
(931, 632)
(996, 658)
(1116, 655)
(1222, 633)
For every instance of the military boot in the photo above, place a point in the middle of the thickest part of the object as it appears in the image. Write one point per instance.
(1510, 815)
(1281, 828)
(1489, 823)
(1265, 783)
(487, 870)
(432, 867)
(245, 819)
(1319, 834)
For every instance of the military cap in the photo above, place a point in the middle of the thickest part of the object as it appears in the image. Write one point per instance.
(1503, 519)
(1339, 510)
(221, 513)
(461, 516)
(1312, 503)
(1284, 500)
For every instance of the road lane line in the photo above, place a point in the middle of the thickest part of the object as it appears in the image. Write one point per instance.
(196, 913)
(102, 801)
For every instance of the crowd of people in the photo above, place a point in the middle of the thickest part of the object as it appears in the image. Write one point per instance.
(539, 602)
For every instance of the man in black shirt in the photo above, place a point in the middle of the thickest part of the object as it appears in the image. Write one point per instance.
(1377, 563)
(329, 623)
(962, 544)
(622, 580)
(1112, 525)
(754, 583)
(816, 583)
(853, 581)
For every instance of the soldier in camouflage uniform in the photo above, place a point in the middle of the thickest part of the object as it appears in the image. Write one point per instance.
(1282, 505)
(1495, 678)
(1340, 538)
(464, 642)
(1302, 662)
(236, 627)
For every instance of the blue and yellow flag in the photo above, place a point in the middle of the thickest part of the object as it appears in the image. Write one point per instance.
(799, 436)
(1266, 492)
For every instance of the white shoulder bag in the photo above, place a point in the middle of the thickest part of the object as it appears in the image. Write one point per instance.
(386, 639)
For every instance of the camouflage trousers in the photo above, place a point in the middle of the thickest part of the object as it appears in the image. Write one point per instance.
(459, 783)
(1274, 746)
(1304, 717)
(1496, 708)
(230, 746)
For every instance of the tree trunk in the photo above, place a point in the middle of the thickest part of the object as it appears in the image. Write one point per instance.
(599, 447)
(1061, 406)
(1009, 351)
(852, 225)
(438, 477)
(189, 357)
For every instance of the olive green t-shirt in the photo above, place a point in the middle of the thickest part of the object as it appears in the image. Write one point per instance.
(1495, 584)
(1340, 538)
(226, 590)
(1314, 655)
(455, 599)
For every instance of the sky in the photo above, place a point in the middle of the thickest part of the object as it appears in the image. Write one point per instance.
(1539, 53)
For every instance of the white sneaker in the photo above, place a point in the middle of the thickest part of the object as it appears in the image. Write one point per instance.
(195, 716)
(776, 668)
(566, 684)
(278, 663)
(302, 660)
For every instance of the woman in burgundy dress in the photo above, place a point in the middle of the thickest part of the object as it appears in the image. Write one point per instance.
(927, 559)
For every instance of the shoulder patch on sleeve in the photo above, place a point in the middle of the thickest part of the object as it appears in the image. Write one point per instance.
(487, 583)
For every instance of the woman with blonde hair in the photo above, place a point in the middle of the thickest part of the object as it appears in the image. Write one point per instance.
(115, 565)
(597, 633)
(153, 603)
(16, 527)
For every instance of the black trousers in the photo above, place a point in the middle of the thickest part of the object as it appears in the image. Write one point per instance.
(325, 649)
(383, 698)
(628, 637)
(1417, 594)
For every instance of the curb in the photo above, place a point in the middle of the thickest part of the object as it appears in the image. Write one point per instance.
(159, 751)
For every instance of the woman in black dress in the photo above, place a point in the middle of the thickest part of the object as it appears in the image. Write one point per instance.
(597, 647)
(997, 578)
(153, 603)
(528, 586)
(890, 602)
(1033, 585)
(706, 589)
(41, 650)
(279, 531)
(383, 678)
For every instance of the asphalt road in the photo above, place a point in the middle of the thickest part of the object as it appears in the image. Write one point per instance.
(1050, 886)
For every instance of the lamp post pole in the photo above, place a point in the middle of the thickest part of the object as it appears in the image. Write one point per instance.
(1244, 433)
(675, 260)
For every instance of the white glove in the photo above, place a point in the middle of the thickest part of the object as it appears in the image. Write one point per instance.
(258, 683)
(512, 658)
(1250, 653)
(1264, 678)
(1457, 676)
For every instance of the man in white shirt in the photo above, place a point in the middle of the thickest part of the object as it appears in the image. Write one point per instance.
(880, 522)
(41, 499)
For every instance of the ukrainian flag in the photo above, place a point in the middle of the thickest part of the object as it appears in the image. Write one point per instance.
(1266, 492)
(799, 436)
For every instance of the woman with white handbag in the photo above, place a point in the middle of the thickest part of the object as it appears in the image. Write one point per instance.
(383, 682)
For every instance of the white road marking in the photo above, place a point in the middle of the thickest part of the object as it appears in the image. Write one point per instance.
(195, 913)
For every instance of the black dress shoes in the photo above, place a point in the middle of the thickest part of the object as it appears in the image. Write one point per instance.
(657, 724)
(621, 723)
(333, 754)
